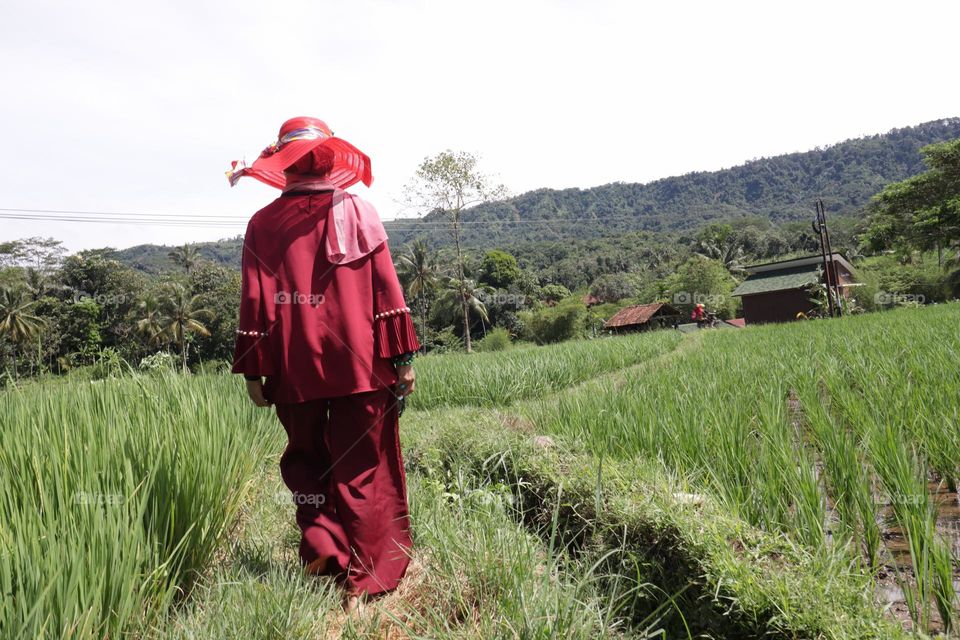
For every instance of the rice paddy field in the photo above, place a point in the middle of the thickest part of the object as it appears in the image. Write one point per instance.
(842, 433)
(794, 481)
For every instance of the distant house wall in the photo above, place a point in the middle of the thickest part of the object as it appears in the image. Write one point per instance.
(844, 277)
(784, 305)
(659, 321)
(776, 306)
(841, 275)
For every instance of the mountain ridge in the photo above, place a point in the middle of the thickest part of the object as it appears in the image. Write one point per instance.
(779, 188)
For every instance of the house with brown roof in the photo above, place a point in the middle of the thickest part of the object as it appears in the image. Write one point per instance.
(644, 317)
(778, 291)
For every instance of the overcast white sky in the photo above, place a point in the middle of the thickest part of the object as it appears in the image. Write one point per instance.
(139, 107)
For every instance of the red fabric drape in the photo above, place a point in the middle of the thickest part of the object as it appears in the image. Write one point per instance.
(308, 324)
(344, 468)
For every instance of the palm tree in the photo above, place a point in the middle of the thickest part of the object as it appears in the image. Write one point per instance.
(36, 282)
(728, 252)
(16, 322)
(419, 273)
(465, 294)
(186, 256)
(184, 315)
(151, 323)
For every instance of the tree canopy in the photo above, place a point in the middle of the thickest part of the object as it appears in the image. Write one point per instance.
(921, 213)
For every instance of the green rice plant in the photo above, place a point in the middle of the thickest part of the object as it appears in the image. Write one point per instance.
(499, 378)
(741, 583)
(718, 414)
(792, 469)
(903, 476)
(114, 496)
(944, 588)
(847, 477)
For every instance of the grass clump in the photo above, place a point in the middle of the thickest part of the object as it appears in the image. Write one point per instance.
(114, 496)
(497, 379)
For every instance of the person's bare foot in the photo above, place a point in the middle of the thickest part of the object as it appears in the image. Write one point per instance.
(316, 567)
(353, 604)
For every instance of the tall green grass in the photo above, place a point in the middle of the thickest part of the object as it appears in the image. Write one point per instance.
(500, 378)
(475, 573)
(782, 421)
(115, 495)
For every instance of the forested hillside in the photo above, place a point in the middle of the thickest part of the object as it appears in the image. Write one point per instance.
(154, 258)
(779, 189)
(770, 191)
(135, 303)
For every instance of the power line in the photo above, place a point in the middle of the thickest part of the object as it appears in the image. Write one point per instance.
(120, 213)
(216, 220)
(168, 223)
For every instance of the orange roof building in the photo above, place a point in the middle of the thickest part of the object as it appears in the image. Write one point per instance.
(643, 317)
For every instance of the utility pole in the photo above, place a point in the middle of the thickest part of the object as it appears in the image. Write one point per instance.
(826, 252)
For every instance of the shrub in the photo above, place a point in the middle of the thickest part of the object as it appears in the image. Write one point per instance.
(445, 341)
(161, 361)
(109, 364)
(555, 324)
(496, 340)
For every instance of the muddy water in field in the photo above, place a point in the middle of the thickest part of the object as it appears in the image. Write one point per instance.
(948, 525)
(896, 550)
(889, 591)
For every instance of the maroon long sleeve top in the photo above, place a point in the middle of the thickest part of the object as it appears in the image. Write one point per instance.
(313, 328)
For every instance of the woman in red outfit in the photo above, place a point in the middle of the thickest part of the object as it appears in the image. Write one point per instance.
(323, 319)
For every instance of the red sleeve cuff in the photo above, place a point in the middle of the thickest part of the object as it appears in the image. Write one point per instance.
(395, 334)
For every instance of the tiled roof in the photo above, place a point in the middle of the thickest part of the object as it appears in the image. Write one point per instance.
(779, 280)
(801, 261)
(638, 314)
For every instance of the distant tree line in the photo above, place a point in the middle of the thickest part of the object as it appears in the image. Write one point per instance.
(921, 215)
(62, 313)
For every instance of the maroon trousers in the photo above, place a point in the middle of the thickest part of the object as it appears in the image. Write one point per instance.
(343, 465)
